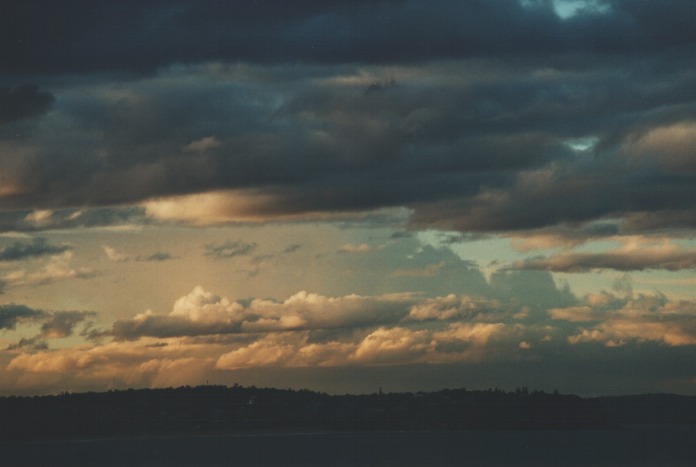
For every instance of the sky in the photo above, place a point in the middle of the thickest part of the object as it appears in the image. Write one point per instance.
(348, 195)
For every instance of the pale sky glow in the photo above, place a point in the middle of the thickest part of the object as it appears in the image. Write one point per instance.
(282, 193)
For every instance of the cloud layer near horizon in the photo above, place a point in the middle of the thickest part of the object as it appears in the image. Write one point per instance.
(205, 334)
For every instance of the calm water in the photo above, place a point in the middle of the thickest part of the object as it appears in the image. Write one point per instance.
(632, 446)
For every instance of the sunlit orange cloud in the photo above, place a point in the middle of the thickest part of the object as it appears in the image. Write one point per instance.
(177, 361)
(635, 254)
(210, 208)
(9, 190)
(578, 314)
(232, 206)
(670, 146)
(201, 312)
(143, 363)
(368, 331)
(641, 318)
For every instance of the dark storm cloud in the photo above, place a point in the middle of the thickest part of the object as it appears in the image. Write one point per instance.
(20, 250)
(11, 315)
(23, 102)
(518, 119)
(443, 137)
(82, 36)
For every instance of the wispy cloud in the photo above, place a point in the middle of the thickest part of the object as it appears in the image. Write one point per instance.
(630, 257)
(39, 246)
(350, 248)
(202, 145)
(114, 255)
(229, 249)
(57, 268)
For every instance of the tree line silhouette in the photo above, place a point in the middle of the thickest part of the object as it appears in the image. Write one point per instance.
(221, 409)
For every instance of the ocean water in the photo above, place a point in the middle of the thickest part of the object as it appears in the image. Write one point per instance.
(646, 445)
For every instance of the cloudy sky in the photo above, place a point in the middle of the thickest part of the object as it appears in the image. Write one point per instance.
(347, 195)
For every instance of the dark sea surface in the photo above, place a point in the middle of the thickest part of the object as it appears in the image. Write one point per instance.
(635, 445)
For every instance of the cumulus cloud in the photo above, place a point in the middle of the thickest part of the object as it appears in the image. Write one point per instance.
(272, 350)
(382, 346)
(202, 312)
(454, 307)
(476, 333)
(205, 334)
(393, 345)
(122, 363)
(614, 321)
